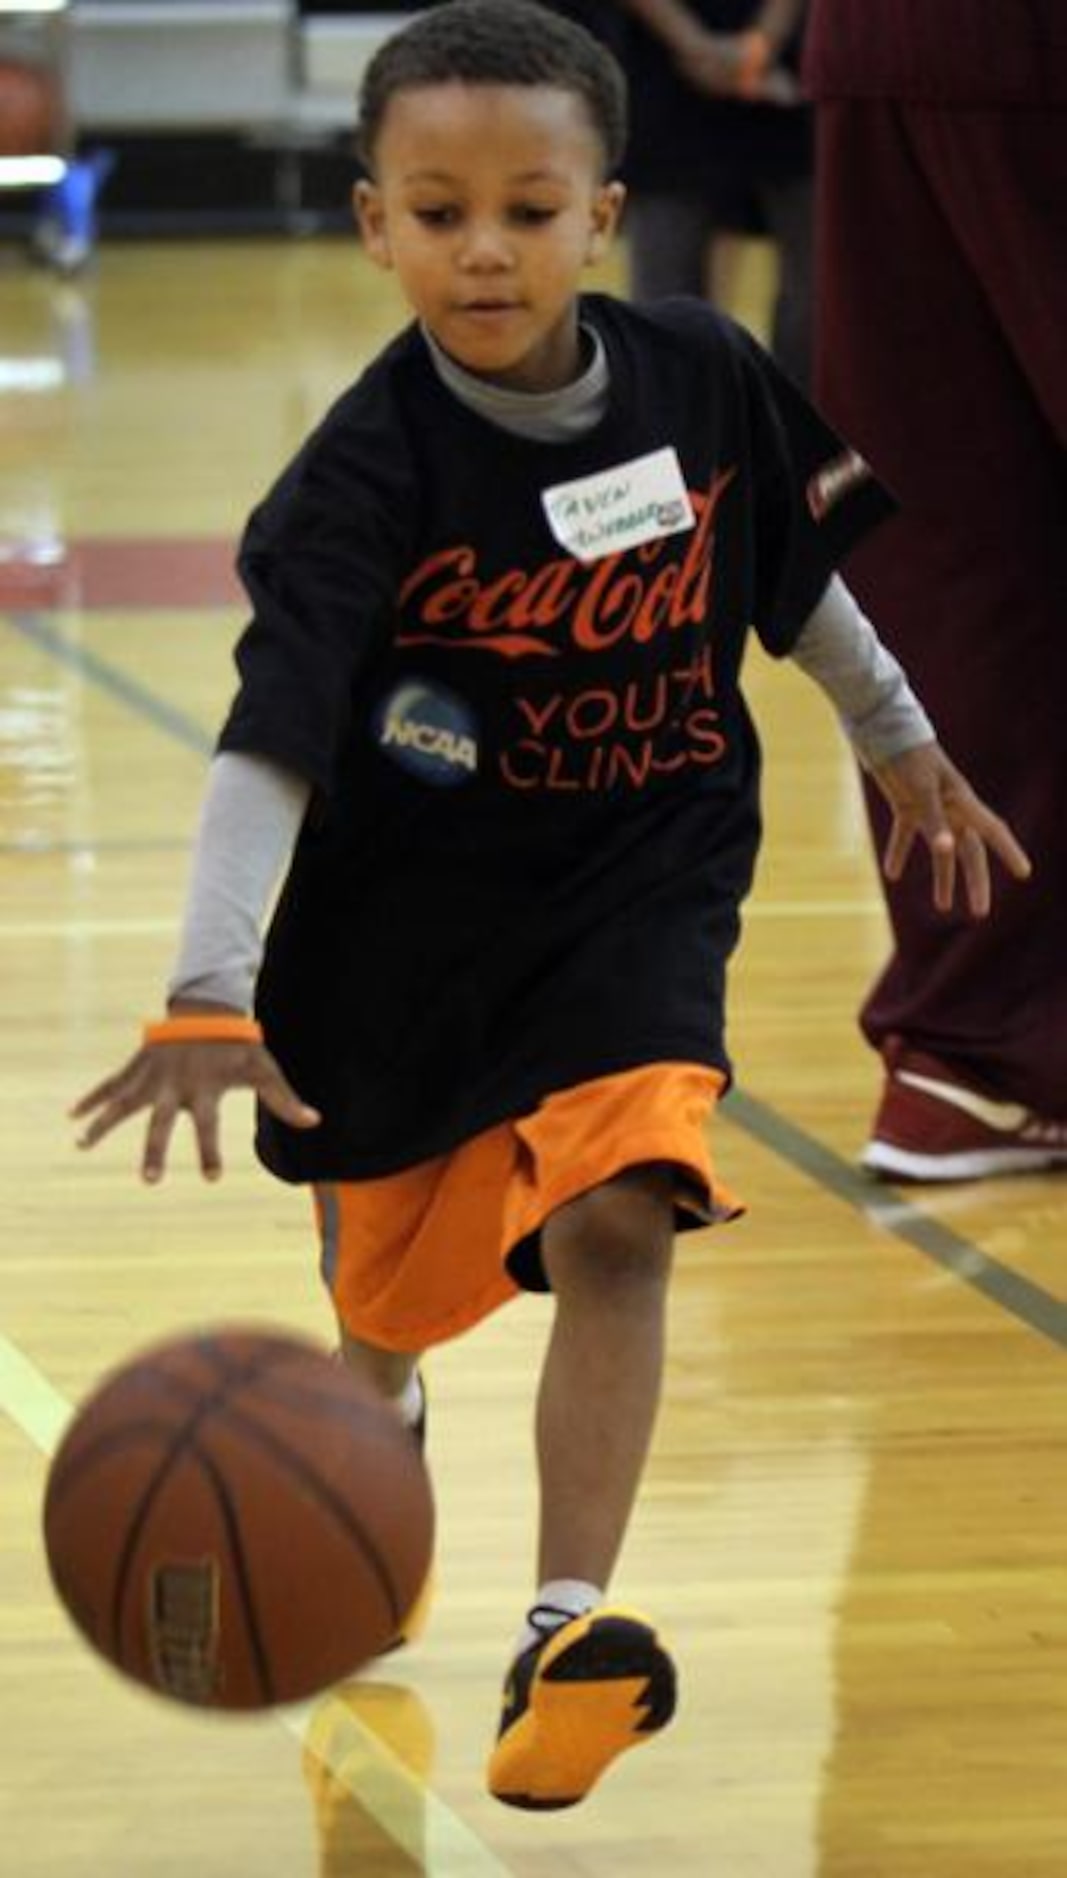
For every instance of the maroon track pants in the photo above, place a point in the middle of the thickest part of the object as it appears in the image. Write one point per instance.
(942, 355)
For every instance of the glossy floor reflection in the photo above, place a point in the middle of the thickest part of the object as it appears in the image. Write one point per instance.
(368, 1765)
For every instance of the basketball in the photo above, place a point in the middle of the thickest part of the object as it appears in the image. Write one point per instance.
(234, 1521)
(29, 115)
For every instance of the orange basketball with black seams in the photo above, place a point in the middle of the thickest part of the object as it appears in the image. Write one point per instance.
(234, 1522)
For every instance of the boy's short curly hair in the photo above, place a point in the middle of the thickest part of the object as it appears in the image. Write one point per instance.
(496, 42)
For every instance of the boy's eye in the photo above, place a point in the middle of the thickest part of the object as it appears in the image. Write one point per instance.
(522, 214)
(528, 215)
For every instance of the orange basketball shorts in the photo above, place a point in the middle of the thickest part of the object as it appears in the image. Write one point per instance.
(414, 1258)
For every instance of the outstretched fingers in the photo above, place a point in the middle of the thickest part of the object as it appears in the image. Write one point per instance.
(165, 1112)
(979, 833)
(279, 1096)
(898, 848)
(974, 866)
(114, 1100)
(103, 1091)
(995, 834)
(931, 800)
(171, 1078)
(924, 819)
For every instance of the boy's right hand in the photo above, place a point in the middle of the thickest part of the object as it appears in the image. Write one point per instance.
(169, 1077)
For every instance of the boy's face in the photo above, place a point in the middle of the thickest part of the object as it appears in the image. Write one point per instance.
(488, 202)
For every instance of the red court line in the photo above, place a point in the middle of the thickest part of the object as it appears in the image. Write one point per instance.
(116, 572)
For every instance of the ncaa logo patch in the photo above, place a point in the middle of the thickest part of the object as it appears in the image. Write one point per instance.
(429, 732)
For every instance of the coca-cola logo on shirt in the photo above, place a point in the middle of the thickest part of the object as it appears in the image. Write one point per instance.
(560, 732)
(564, 605)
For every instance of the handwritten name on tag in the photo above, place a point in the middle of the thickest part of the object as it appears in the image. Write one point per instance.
(621, 507)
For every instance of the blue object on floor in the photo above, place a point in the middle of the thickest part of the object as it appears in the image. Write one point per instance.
(65, 232)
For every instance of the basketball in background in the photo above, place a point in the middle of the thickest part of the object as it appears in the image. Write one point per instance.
(29, 110)
(235, 1522)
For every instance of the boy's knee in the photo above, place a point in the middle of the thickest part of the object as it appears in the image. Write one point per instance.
(617, 1235)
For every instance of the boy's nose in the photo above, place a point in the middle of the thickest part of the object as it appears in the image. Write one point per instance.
(485, 247)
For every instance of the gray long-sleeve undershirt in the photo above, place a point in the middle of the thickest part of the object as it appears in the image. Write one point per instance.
(253, 809)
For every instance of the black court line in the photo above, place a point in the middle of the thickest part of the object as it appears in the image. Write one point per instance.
(1018, 1296)
(1032, 1305)
(49, 638)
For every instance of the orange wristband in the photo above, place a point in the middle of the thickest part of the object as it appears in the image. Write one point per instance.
(756, 58)
(201, 1027)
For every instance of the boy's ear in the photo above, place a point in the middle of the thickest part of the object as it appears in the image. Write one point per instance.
(607, 208)
(370, 220)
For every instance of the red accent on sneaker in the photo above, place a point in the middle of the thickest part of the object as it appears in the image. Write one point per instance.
(932, 1124)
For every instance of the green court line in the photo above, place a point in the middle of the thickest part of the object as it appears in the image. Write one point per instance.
(1019, 1296)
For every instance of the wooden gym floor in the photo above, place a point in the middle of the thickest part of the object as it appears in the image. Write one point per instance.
(855, 1520)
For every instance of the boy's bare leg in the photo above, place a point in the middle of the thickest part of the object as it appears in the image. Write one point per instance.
(390, 1373)
(387, 1371)
(608, 1258)
(590, 1686)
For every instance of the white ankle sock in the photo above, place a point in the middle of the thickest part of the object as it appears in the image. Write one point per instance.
(556, 1603)
(409, 1403)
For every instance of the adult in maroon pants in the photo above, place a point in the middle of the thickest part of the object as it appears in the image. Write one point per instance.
(941, 237)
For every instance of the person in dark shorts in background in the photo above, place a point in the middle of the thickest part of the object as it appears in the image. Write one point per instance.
(942, 298)
(721, 145)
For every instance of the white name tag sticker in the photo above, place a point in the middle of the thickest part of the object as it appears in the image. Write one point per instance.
(621, 507)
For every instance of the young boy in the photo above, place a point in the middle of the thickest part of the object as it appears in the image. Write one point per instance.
(489, 716)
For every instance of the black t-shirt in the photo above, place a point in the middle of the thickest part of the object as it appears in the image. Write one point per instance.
(536, 807)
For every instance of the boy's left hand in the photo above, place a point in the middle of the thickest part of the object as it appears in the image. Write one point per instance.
(930, 800)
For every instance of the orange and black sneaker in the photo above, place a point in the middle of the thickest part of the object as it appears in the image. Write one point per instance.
(587, 1690)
